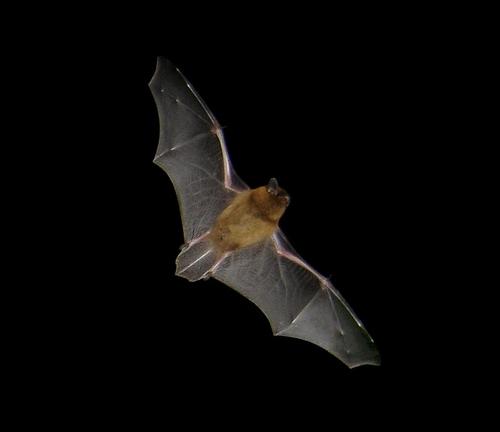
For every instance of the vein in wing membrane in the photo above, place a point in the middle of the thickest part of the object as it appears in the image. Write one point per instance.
(326, 322)
(279, 289)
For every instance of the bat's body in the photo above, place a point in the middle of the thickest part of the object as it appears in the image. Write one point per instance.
(232, 232)
(250, 218)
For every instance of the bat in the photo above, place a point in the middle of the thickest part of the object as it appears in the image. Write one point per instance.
(232, 233)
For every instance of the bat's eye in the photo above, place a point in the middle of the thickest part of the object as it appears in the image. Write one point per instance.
(272, 186)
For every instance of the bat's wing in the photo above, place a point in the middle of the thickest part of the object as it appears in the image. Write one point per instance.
(297, 300)
(192, 151)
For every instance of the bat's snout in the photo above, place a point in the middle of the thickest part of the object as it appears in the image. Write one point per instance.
(284, 195)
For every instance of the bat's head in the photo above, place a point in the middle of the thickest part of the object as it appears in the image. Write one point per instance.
(271, 200)
(278, 194)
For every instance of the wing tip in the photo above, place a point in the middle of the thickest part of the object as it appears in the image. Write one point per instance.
(370, 359)
(162, 63)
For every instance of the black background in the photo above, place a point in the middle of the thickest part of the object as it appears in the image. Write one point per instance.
(344, 117)
(335, 132)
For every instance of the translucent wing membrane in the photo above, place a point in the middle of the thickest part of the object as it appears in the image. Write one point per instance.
(192, 151)
(298, 301)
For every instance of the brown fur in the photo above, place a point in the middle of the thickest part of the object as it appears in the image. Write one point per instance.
(251, 217)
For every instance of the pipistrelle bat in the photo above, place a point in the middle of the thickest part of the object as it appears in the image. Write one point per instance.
(231, 231)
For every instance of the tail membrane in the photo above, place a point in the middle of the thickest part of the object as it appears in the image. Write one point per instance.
(197, 260)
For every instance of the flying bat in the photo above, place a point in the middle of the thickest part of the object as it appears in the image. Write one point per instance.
(232, 232)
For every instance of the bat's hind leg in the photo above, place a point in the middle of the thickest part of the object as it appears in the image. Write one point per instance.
(198, 260)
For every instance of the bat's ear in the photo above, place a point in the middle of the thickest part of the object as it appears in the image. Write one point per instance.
(273, 187)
